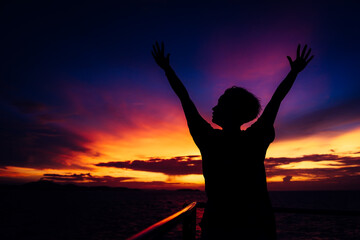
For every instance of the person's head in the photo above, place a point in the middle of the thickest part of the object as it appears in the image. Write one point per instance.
(235, 107)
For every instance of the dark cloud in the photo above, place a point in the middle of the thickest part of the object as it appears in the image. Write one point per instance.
(332, 117)
(344, 171)
(346, 160)
(342, 183)
(273, 162)
(84, 178)
(287, 179)
(321, 185)
(181, 165)
(26, 141)
(184, 165)
(342, 175)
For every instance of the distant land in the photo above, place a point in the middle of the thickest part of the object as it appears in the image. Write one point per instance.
(51, 185)
(48, 185)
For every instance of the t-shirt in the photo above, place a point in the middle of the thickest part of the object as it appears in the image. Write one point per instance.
(235, 178)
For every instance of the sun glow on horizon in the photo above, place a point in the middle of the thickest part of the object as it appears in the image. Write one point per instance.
(180, 143)
(343, 143)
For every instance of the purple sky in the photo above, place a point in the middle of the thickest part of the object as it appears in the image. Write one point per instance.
(76, 76)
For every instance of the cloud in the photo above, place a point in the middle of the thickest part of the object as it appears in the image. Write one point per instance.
(26, 141)
(331, 117)
(316, 166)
(87, 179)
(274, 162)
(84, 178)
(287, 179)
(326, 168)
(309, 172)
(58, 131)
(323, 172)
(181, 165)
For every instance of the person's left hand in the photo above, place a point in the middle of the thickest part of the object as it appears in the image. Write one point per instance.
(159, 56)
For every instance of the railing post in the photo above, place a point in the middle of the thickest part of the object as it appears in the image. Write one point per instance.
(189, 225)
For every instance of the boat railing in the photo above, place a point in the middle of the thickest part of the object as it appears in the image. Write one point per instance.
(187, 216)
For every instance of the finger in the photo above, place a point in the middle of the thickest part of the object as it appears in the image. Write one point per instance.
(290, 60)
(153, 54)
(168, 57)
(303, 51)
(298, 51)
(308, 53)
(162, 48)
(310, 59)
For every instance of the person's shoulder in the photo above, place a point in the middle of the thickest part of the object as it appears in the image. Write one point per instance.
(206, 137)
(259, 128)
(260, 124)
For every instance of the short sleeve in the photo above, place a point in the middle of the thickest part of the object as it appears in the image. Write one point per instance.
(201, 133)
(264, 131)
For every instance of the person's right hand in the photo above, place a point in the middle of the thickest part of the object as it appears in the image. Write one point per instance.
(159, 56)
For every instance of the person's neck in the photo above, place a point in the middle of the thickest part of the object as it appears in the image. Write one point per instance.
(231, 129)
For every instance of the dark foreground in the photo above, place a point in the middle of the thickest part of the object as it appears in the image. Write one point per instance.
(56, 212)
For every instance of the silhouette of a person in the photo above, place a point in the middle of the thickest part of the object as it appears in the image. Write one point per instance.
(238, 205)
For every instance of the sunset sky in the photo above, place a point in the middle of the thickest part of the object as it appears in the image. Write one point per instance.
(82, 100)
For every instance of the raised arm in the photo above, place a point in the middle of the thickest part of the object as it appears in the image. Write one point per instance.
(271, 110)
(197, 125)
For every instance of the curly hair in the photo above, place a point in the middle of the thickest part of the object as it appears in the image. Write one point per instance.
(240, 99)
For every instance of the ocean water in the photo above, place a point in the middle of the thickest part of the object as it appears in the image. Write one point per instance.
(117, 214)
